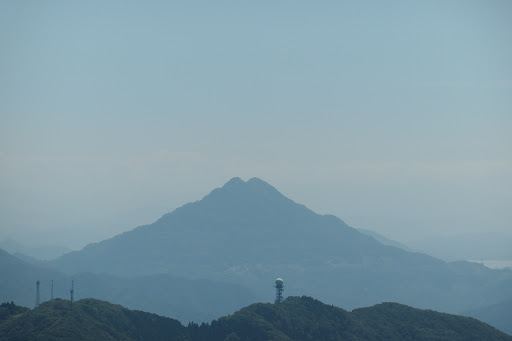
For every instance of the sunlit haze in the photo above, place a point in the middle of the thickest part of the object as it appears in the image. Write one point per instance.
(394, 116)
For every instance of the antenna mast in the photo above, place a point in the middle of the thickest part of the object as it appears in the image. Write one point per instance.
(37, 293)
(279, 290)
(72, 291)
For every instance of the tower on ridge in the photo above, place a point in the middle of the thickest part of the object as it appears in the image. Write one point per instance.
(279, 290)
(37, 293)
(72, 291)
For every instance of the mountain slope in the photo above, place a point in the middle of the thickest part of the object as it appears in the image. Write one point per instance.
(249, 233)
(498, 315)
(383, 240)
(297, 318)
(7, 310)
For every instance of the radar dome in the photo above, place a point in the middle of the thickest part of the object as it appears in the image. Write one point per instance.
(279, 281)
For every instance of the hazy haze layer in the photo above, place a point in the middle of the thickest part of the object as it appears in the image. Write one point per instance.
(394, 116)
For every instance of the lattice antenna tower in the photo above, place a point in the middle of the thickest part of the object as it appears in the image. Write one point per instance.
(37, 292)
(51, 296)
(279, 290)
(72, 291)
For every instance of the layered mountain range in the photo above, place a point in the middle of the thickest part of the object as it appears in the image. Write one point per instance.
(165, 294)
(247, 233)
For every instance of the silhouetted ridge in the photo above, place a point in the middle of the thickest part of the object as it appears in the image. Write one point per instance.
(296, 319)
(89, 319)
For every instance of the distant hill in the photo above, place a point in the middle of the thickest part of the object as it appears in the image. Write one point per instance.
(297, 318)
(248, 233)
(184, 299)
(498, 315)
(33, 253)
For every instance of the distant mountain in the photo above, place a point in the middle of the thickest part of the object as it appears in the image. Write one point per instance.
(185, 299)
(240, 223)
(33, 253)
(297, 318)
(249, 233)
(498, 315)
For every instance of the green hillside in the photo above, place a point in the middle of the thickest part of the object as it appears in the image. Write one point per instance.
(10, 309)
(89, 319)
(307, 319)
(297, 318)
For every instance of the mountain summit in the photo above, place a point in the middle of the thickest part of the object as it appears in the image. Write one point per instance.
(248, 233)
(238, 224)
(254, 200)
(254, 188)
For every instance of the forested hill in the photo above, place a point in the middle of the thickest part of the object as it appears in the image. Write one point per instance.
(297, 318)
(307, 319)
(89, 319)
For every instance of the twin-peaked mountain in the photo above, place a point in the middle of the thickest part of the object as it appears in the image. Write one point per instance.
(248, 233)
(242, 223)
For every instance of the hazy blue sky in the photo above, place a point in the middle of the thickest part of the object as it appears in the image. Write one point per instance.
(395, 116)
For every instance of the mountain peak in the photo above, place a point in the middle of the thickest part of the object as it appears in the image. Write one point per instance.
(243, 199)
(258, 182)
(252, 186)
(236, 181)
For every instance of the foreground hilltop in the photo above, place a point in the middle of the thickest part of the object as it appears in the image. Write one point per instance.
(304, 318)
(297, 318)
(88, 319)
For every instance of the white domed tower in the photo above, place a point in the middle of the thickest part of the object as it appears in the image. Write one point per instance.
(279, 290)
